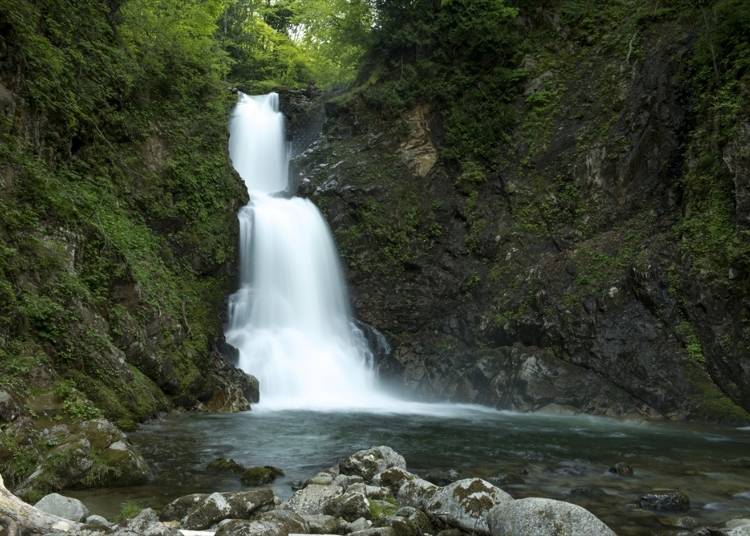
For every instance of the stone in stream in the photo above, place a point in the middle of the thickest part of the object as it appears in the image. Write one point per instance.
(665, 500)
(416, 492)
(226, 465)
(61, 506)
(369, 462)
(464, 504)
(393, 478)
(621, 469)
(544, 517)
(258, 476)
(273, 523)
(97, 522)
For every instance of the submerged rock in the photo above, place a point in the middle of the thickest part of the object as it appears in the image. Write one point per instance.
(544, 517)
(227, 465)
(621, 469)
(61, 506)
(666, 500)
(258, 476)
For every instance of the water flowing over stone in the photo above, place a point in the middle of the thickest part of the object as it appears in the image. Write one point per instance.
(290, 319)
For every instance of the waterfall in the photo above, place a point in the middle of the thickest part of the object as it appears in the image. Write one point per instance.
(290, 318)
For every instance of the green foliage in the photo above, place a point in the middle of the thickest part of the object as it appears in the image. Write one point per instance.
(129, 510)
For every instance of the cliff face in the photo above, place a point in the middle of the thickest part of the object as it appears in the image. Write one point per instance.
(595, 258)
(117, 243)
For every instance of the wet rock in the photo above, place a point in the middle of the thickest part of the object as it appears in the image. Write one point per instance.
(349, 506)
(621, 469)
(544, 517)
(590, 492)
(367, 463)
(738, 527)
(258, 476)
(230, 388)
(464, 504)
(312, 498)
(666, 500)
(61, 506)
(273, 523)
(210, 511)
(226, 465)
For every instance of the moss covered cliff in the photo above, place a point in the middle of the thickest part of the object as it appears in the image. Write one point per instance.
(544, 204)
(117, 227)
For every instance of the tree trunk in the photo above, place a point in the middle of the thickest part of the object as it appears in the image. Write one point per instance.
(17, 517)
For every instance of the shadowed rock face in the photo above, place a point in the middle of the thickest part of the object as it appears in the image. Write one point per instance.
(564, 265)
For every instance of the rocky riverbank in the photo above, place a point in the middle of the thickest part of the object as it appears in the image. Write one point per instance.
(370, 493)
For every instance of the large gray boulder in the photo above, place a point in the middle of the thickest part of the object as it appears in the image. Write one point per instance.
(61, 506)
(464, 504)
(369, 462)
(273, 523)
(544, 517)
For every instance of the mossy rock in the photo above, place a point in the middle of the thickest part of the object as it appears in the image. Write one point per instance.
(258, 476)
(226, 465)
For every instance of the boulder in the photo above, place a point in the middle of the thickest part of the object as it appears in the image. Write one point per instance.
(665, 500)
(392, 478)
(464, 504)
(416, 492)
(18, 517)
(63, 466)
(258, 476)
(210, 511)
(273, 523)
(312, 498)
(544, 517)
(367, 463)
(61, 506)
(408, 521)
(375, 531)
(200, 510)
(145, 524)
(181, 506)
(245, 504)
(98, 522)
(323, 524)
(349, 506)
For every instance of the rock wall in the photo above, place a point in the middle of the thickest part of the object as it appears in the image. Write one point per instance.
(569, 274)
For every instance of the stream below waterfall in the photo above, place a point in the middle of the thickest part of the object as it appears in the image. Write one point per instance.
(525, 454)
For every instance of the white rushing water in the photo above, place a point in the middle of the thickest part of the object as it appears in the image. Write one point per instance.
(290, 319)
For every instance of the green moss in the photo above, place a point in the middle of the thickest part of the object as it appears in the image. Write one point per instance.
(380, 510)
